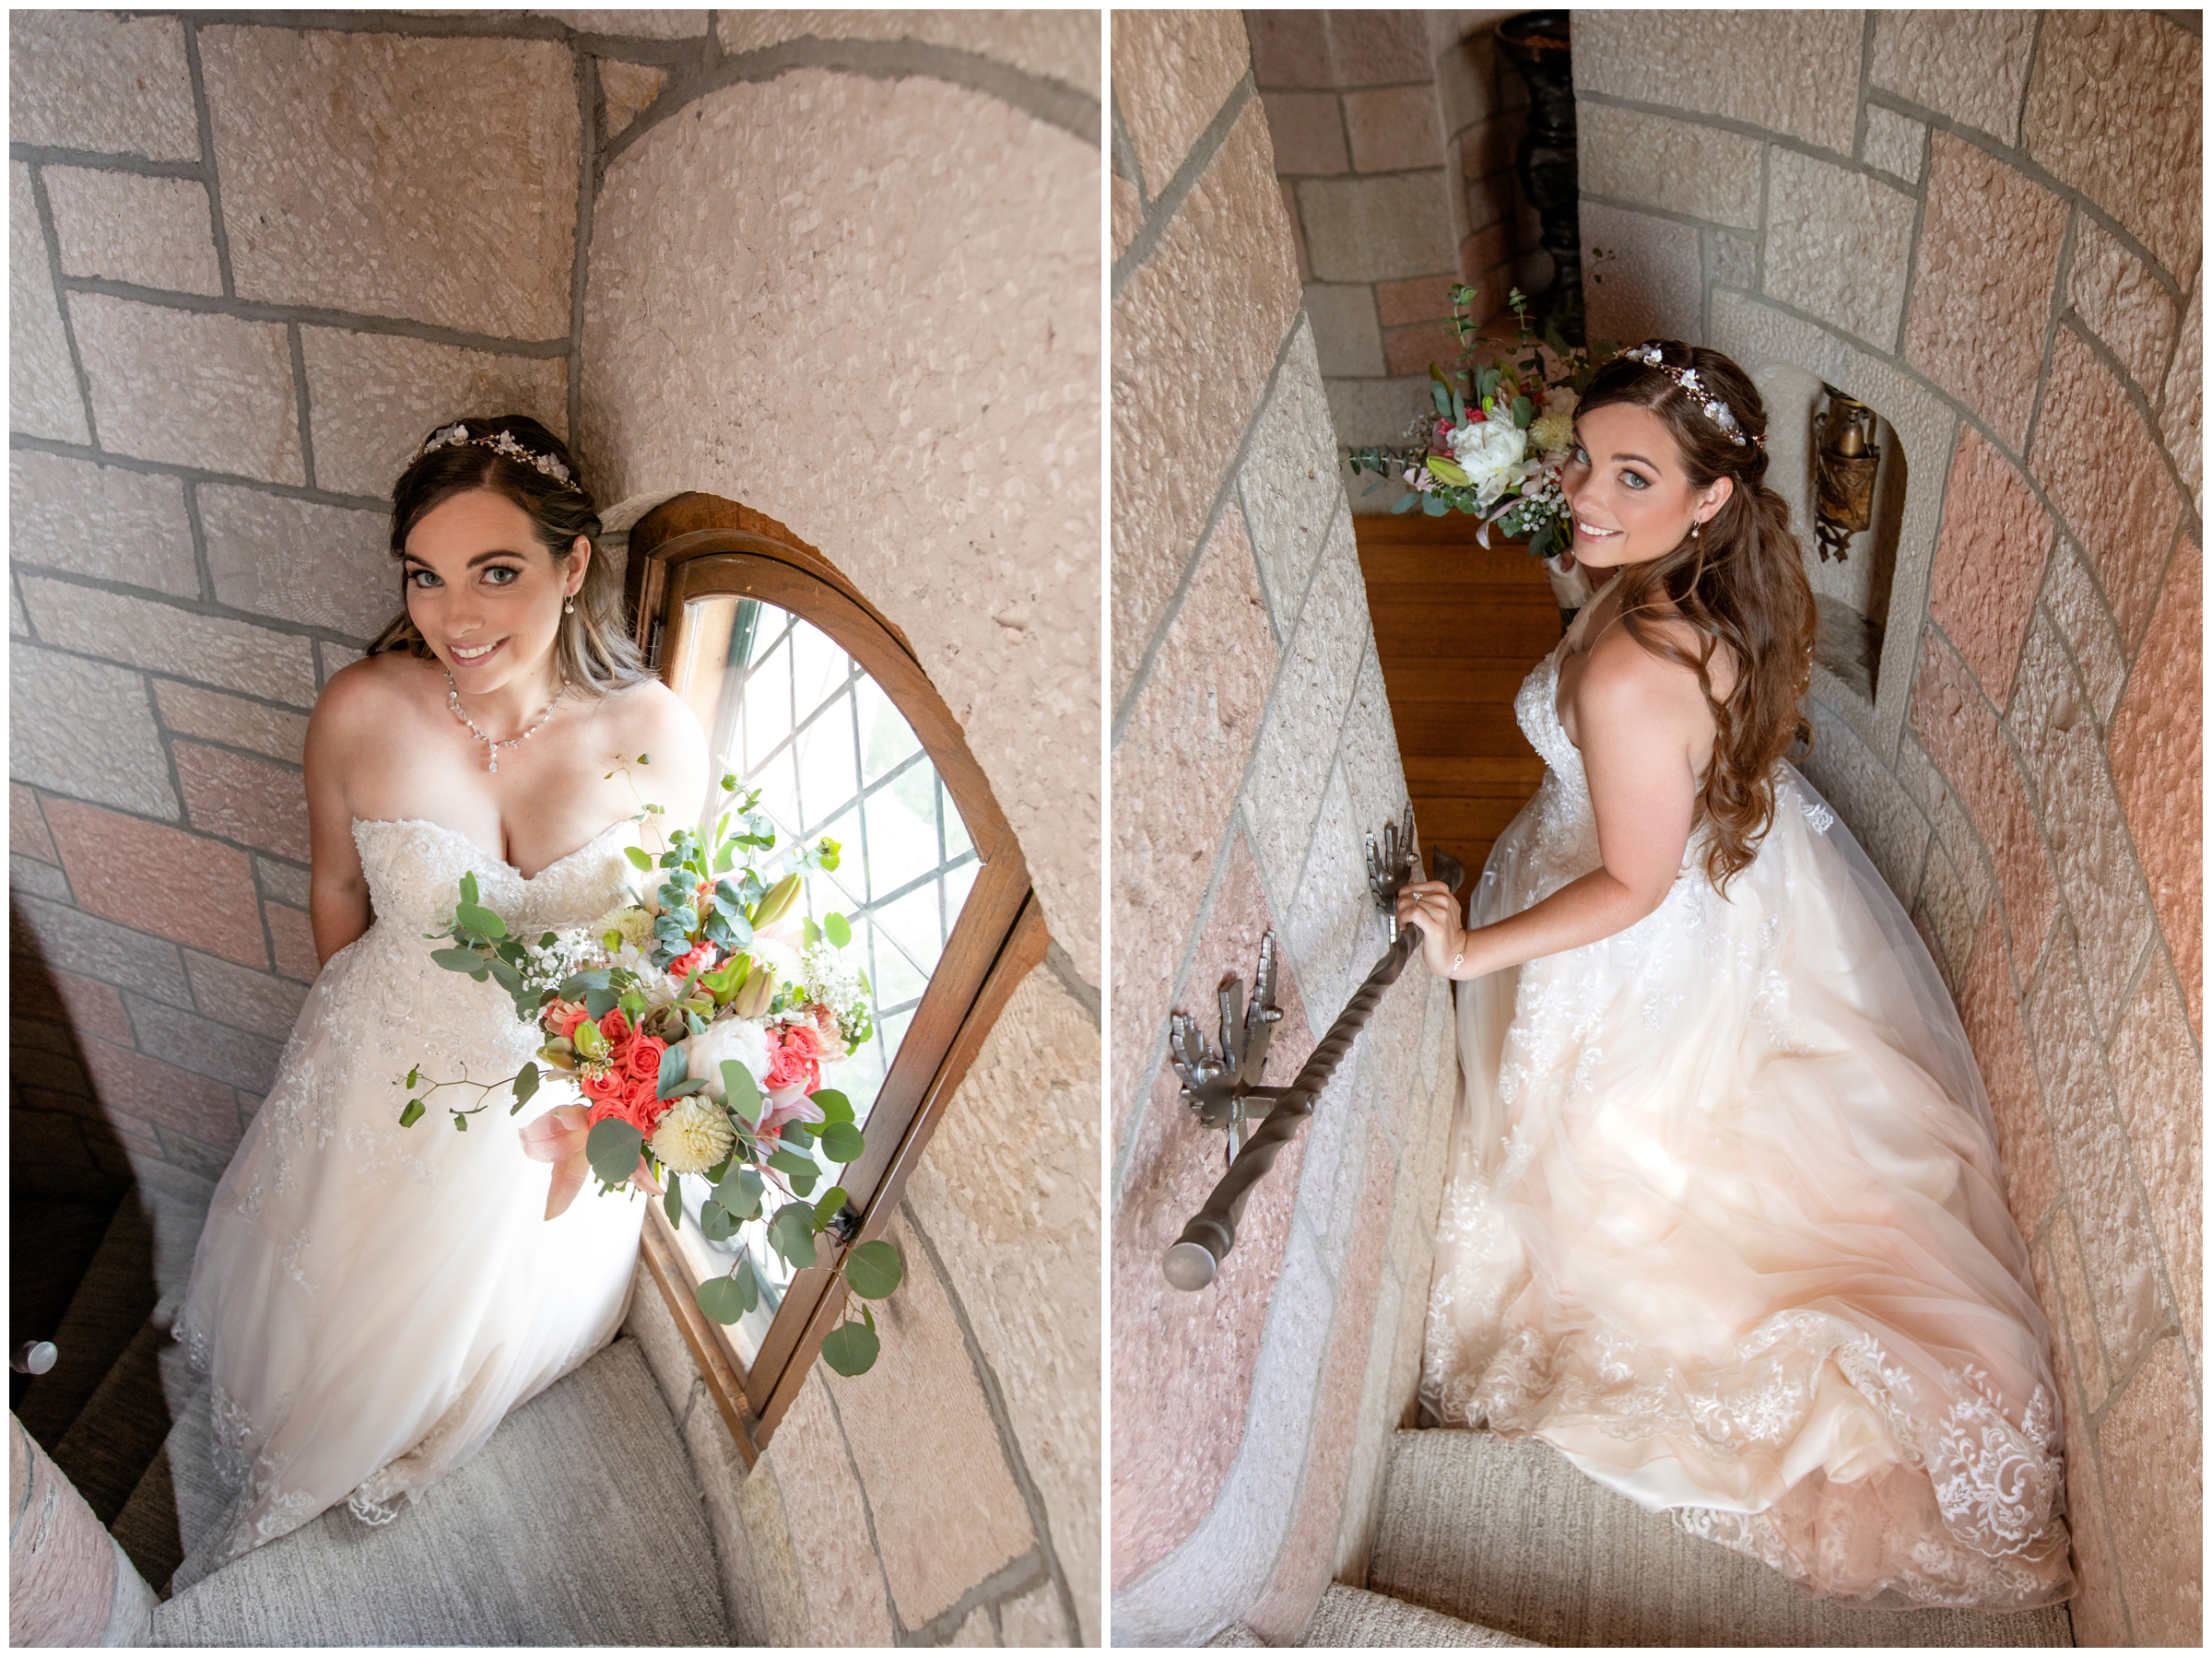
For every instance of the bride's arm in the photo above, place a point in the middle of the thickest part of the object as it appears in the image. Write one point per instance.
(1644, 727)
(337, 889)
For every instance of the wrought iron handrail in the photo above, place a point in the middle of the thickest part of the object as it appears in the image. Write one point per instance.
(1217, 1086)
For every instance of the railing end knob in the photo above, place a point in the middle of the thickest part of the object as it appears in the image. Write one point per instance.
(1190, 1266)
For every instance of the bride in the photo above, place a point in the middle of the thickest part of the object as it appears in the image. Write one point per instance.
(1725, 1222)
(370, 1300)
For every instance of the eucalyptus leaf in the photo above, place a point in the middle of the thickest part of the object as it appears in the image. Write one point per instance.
(672, 1205)
(637, 858)
(458, 960)
(851, 1348)
(526, 1085)
(600, 1002)
(827, 1203)
(742, 1091)
(838, 929)
(842, 1141)
(674, 1064)
(720, 1298)
(873, 1270)
(791, 1234)
(738, 1193)
(835, 1106)
(478, 919)
(798, 1135)
(715, 1222)
(790, 1162)
(813, 933)
(612, 1149)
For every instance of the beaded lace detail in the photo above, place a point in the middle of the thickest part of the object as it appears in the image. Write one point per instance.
(1575, 1137)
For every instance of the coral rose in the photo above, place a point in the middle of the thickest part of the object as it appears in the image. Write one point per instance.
(796, 1059)
(641, 1058)
(702, 956)
(614, 1027)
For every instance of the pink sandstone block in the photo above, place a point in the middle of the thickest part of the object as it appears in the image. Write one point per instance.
(173, 884)
(136, 1086)
(63, 998)
(1411, 351)
(241, 799)
(27, 827)
(2100, 1618)
(294, 938)
(1991, 1013)
(1989, 562)
(2152, 1438)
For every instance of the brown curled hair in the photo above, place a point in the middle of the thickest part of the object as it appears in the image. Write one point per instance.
(1740, 582)
(596, 651)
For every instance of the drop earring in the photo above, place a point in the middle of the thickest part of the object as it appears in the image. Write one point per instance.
(569, 609)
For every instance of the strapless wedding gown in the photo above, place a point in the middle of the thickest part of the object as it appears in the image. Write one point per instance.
(371, 1300)
(1724, 1223)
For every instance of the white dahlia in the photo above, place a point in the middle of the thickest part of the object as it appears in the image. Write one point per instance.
(693, 1136)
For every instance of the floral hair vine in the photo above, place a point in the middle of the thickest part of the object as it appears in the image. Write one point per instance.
(500, 442)
(1717, 411)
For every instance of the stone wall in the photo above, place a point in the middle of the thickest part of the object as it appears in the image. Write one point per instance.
(1395, 134)
(1987, 225)
(1251, 748)
(841, 265)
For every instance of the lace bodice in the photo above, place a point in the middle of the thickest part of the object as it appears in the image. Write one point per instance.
(415, 867)
(1536, 707)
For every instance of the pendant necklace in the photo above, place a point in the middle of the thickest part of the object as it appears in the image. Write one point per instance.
(453, 700)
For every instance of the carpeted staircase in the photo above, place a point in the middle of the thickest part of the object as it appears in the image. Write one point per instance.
(580, 1523)
(1490, 1540)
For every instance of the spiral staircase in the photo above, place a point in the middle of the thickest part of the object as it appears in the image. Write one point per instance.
(548, 1536)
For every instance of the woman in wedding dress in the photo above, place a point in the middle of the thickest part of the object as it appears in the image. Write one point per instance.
(1724, 1223)
(370, 1299)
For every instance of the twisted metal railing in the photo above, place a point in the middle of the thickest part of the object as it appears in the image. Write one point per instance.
(1222, 1086)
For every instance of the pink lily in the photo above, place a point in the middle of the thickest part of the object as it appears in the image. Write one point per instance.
(557, 1137)
(788, 1104)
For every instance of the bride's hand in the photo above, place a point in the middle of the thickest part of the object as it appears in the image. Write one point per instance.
(1430, 905)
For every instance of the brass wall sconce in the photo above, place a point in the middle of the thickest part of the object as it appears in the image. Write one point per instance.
(1846, 459)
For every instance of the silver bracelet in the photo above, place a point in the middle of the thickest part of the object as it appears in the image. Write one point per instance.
(1457, 958)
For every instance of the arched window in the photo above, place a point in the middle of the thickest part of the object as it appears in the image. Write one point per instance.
(808, 694)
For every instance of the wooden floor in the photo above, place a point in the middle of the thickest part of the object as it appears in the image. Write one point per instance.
(1457, 628)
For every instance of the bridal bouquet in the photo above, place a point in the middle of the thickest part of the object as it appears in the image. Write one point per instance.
(695, 1021)
(1499, 437)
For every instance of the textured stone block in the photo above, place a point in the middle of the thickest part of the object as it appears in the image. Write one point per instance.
(2070, 595)
(1056, 45)
(2147, 170)
(1895, 143)
(842, 1584)
(315, 131)
(58, 998)
(1172, 71)
(1420, 299)
(1649, 282)
(2123, 304)
(126, 228)
(1836, 246)
(1774, 69)
(189, 388)
(2118, 1251)
(177, 886)
(293, 938)
(237, 1058)
(93, 81)
(1370, 751)
(1675, 166)
(1347, 340)
(1178, 1353)
(231, 654)
(1946, 915)
(27, 826)
(287, 882)
(65, 937)
(1757, 334)
(254, 1002)
(1337, 48)
(628, 90)
(2099, 461)
(2181, 412)
(2068, 1302)
(326, 566)
(1220, 287)
(1297, 234)
(1988, 256)
(43, 398)
(1035, 1619)
(1332, 927)
(1393, 129)
(1373, 411)
(152, 1090)
(1008, 1195)
(1872, 803)
(1287, 484)
(373, 397)
(724, 294)
(1307, 129)
(241, 799)
(1176, 770)
(1996, 542)
(936, 1538)
(2152, 1442)
(1969, 65)
(105, 521)
(1305, 718)
(2081, 820)
(232, 720)
(1128, 214)
(2157, 753)
(85, 728)
(332, 657)
(1962, 737)
(1377, 229)
(2159, 1081)
(643, 22)
(1413, 350)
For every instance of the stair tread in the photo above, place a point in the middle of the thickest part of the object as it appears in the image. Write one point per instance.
(113, 1302)
(50, 1244)
(1354, 1617)
(121, 1426)
(1510, 1535)
(167, 1515)
(541, 1539)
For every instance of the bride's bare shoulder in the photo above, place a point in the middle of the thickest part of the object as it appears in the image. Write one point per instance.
(373, 690)
(1627, 687)
(648, 713)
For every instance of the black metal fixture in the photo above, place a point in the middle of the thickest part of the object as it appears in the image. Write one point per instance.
(1222, 1084)
(1845, 460)
(1536, 44)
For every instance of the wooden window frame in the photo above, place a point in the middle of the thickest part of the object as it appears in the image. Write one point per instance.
(698, 546)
